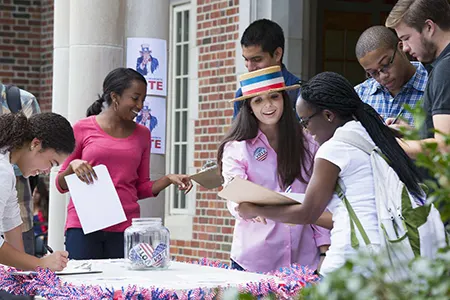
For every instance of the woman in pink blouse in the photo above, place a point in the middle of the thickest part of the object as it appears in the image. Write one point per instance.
(113, 139)
(266, 145)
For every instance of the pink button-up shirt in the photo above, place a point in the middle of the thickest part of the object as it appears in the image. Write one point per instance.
(263, 248)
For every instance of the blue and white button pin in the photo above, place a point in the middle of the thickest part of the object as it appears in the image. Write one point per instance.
(260, 154)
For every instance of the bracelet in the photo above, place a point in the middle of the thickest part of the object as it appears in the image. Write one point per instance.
(323, 254)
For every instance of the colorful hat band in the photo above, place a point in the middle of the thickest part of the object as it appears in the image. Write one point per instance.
(262, 83)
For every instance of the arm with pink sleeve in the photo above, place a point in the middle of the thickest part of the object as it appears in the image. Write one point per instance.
(144, 184)
(321, 236)
(76, 154)
(233, 164)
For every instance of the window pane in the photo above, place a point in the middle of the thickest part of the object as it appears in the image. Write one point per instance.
(176, 196)
(186, 26)
(178, 61)
(178, 27)
(177, 93)
(177, 126)
(182, 199)
(177, 159)
(184, 125)
(185, 93)
(183, 158)
(185, 59)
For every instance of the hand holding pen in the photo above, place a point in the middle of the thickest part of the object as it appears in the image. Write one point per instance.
(55, 261)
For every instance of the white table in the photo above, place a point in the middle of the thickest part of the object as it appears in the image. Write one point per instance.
(179, 276)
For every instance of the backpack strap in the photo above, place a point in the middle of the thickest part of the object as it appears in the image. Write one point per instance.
(13, 98)
(356, 140)
(354, 221)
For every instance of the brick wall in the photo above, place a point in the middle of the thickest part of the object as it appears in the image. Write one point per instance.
(217, 31)
(26, 46)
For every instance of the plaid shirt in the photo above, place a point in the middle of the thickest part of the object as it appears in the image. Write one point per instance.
(30, 107)
(377, 96)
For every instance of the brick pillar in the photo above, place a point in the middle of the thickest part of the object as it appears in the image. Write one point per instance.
(217, 31)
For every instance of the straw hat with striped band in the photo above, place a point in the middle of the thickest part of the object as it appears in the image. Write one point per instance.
(261, 82)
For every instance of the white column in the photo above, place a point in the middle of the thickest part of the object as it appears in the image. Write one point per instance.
(150, 18)
(96, 48)
(57, 201)
(88, 44)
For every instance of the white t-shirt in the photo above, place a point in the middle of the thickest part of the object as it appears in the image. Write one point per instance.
(357, 177)
(9, 207)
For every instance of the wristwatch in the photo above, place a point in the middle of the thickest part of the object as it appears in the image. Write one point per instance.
(323, 254)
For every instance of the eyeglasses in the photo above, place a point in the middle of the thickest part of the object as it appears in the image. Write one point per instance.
(305, 121)
(384, 69)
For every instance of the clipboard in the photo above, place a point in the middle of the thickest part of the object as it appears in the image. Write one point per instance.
(240, 190)
(208, 178)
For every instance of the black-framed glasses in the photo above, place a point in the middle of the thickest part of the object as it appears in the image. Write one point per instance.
(384, 69)
(305, 121)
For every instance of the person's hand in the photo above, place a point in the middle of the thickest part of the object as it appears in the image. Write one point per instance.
(56, 261)
(399, 123)
(259, 220)
(183, 181)
(83, 170)
(246, 210)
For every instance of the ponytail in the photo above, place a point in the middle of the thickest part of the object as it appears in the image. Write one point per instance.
(13, 131)
(96, 107)
(332, 91)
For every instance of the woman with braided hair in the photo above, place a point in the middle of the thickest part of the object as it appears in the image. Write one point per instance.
(34, 145)
(328, 105)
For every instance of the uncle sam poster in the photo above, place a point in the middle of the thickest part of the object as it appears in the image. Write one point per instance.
(149, 57)
(153, 116)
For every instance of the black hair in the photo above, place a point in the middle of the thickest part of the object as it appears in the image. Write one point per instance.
(375, 37)
(293, 153)
(53, 130)
(332, 91)
(265, 33)
(117, 81)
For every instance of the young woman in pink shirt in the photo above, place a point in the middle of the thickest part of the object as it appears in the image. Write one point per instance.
(112, 138)
(267, 146)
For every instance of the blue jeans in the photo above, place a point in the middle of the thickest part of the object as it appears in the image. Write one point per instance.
(95, 245)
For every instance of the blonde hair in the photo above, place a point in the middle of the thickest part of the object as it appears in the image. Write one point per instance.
(414, 13)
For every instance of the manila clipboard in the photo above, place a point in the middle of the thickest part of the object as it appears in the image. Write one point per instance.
(240, 190)
(208, 178)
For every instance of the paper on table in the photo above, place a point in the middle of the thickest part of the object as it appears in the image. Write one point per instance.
(98, 205)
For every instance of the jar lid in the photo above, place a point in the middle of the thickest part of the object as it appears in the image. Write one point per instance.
(146, 221)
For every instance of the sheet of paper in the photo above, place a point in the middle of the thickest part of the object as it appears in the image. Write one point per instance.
(296, 196)
(240, 190)
(98, 205)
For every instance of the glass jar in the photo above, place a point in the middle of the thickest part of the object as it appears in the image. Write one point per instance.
(147, 244)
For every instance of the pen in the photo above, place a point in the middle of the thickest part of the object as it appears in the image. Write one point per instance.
(398, 116)
(49, 249)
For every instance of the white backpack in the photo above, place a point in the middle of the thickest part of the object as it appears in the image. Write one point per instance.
(408, 228)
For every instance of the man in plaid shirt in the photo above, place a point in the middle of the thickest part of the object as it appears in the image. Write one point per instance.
(30, 107)
(393, 80)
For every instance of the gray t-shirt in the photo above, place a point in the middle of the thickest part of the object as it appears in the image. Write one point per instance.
(437, 94)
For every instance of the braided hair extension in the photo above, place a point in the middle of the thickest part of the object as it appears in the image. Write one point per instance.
(332, 91)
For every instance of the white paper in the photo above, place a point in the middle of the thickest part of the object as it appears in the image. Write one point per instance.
(98, 205)
(295, 196)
